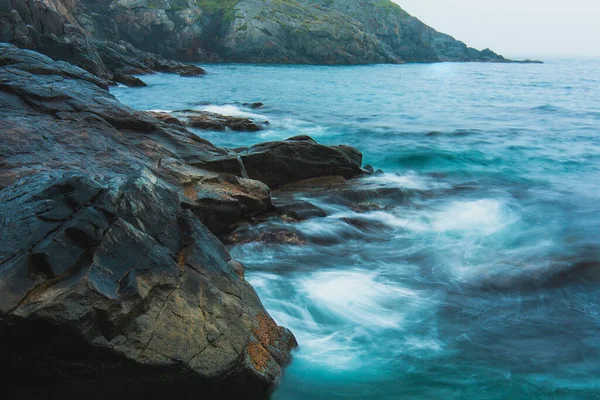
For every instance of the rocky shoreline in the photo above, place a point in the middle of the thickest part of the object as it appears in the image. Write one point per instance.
(110, 270)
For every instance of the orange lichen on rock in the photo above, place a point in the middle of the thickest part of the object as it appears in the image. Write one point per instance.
(259, 356)
(190, 192)
(181, 260)
(265, 330)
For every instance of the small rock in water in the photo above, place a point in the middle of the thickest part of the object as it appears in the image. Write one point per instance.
(128, 80)
(218, 122)
(300, 210)
(254, 106)
(369, 168)
(189, 71)
(298, 158)
(366, 207)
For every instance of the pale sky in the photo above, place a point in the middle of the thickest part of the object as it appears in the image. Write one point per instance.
(516, 28)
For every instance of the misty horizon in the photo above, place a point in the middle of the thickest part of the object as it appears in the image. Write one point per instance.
(516, 29)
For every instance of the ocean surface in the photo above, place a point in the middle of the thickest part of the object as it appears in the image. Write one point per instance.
(483, 282)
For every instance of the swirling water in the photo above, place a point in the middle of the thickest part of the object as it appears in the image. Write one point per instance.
(483, 282)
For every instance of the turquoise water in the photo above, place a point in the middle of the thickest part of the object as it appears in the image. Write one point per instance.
(482, 281)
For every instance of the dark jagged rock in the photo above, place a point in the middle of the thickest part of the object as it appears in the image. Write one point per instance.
(298, 158)
(128, 80)
(222, 202)
(122, 57)
(105, 283)
(300, 210)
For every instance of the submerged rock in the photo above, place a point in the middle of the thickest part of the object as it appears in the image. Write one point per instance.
(269, 234)
(254, 106)
(108, 282)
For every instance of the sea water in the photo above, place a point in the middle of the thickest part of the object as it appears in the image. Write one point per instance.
(484, 281)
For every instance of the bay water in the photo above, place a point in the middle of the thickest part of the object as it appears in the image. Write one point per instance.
(483, 282)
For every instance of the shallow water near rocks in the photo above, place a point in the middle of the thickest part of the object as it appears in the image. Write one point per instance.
(483, 282)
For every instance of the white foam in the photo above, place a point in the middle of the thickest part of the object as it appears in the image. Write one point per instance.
(358, 297)
(417, 343)
(335, 351)
(231, 111)
(472, 218)
(409, 180)
(412, 223)
(301, 126)
(483, 217)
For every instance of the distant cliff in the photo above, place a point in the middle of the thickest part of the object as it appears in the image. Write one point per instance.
(281, 31)
(270, 31)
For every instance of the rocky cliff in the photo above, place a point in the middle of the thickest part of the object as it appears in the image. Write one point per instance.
(98, 34)
(59, 29)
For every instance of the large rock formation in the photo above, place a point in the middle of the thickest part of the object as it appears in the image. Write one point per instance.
(112, 284)
(299, 158)
(98, 35)
(110, 290)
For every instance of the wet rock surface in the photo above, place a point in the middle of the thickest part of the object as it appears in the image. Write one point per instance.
(210, 121)
(299, 158)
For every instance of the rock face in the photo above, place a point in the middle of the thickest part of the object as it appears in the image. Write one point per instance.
(103, 36)
(109, 270)
(126, 285)
(61, 29)
(294, 31)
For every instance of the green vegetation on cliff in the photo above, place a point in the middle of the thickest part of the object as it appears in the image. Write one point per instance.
(227, 7)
